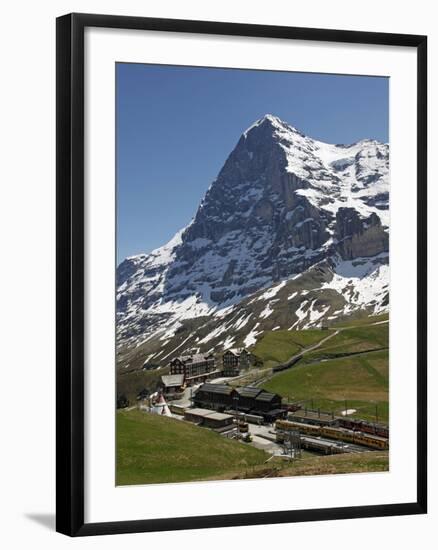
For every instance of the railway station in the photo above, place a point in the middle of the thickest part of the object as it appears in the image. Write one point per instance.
(317, 418)
(246, 399)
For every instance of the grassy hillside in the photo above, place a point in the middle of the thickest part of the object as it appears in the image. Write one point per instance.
(355, 321)
(311, 465)
(155, 449)
(359, 379)
(352, 340)
(338, 464)
(278, 346)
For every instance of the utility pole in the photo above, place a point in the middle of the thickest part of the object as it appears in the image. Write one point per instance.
(294, 444)
(236, 399)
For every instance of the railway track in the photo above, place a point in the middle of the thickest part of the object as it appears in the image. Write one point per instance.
(331, 446)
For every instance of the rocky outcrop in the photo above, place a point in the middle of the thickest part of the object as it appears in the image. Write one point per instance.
(359, 237)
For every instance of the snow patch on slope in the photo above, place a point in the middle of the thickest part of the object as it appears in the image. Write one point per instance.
(361, 283)
(266, 312)
(273, 291)
(251, 338)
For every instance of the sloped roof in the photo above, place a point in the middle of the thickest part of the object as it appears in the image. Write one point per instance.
(266, 396)
(219, 416)
(171, 380)
(313, 415)
(207, 413)
(248, 391)
(236, 351)
(198, 412)
(221, 389)
(195, 358)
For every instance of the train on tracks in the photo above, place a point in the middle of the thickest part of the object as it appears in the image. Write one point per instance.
(364, 426)
(322, 445)
(371, 441)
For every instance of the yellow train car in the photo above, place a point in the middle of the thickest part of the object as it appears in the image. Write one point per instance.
(338, 433)
(360, 438)
(341, 434)
(373, 441)
(289, 426)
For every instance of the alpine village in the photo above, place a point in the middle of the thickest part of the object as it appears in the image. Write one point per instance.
(255, 343)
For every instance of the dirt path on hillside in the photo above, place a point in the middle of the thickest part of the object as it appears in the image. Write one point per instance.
(310, 348)
(268, 373)
(298, 356)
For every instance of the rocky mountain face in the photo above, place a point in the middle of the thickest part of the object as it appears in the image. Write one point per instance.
(287, 217)
(356, 236)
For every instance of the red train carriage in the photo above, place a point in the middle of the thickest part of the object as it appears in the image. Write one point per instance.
(363, 426)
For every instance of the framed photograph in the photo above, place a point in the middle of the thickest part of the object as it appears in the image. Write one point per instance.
(241, 274)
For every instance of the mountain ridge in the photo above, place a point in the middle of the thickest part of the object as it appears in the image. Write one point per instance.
(282, 205)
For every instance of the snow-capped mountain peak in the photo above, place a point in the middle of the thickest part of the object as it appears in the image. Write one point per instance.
(271, 121)
(282, 204)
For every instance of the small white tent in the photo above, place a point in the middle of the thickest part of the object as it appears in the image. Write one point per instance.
(160, 407)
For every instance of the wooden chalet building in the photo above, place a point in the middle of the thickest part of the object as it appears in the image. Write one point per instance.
(214, 396)
(248, 400)
(234, 361)
(173, 384)
(195, 367)
(268, 405)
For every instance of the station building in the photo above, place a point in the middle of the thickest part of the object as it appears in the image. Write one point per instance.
(251, 400)
(208, 418)
(316, 418)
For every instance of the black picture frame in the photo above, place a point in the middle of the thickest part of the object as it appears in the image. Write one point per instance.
(70, 273)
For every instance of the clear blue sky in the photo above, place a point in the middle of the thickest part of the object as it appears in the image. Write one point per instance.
(177, 125)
